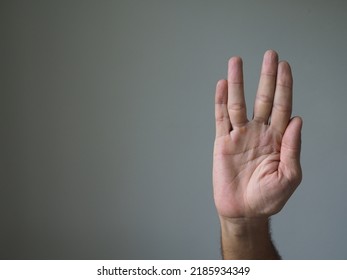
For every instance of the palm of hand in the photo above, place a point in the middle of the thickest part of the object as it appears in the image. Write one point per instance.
(247, 167)
(256, 165)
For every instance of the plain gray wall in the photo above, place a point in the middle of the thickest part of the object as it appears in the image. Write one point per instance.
(107, 124)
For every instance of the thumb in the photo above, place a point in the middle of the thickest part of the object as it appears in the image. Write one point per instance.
(291, 148)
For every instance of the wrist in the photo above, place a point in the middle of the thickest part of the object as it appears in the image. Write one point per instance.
(244, 227)
(247, 238)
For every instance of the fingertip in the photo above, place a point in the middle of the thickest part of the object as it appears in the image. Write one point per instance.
(284, 65)
(221, 92)
(284, 77)
(299, 122)
(221, 83)
(270, 63)
(271, 55)
(235, 70)
(294, 129)
(235, 60)
(235, 64)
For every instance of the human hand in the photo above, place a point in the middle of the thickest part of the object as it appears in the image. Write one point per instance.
(256, 164)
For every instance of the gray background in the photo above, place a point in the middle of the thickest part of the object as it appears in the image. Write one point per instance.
(107, 124)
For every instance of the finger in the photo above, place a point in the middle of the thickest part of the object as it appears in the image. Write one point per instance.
(282, 105)
(291, 141)
(223, 125)
(290, 151)
(236, 98)
(266, 87)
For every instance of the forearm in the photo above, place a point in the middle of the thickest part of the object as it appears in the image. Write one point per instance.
(246, 238)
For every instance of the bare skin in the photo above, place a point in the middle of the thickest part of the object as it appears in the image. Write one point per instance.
(256, 163)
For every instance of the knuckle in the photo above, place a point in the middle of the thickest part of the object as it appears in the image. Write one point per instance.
(221, 116)
(236, 106)
(283, 108)
(264, 98)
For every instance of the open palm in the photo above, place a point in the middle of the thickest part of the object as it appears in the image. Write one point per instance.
(256, 165)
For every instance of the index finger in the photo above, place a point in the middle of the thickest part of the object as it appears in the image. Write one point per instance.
(282, 105)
